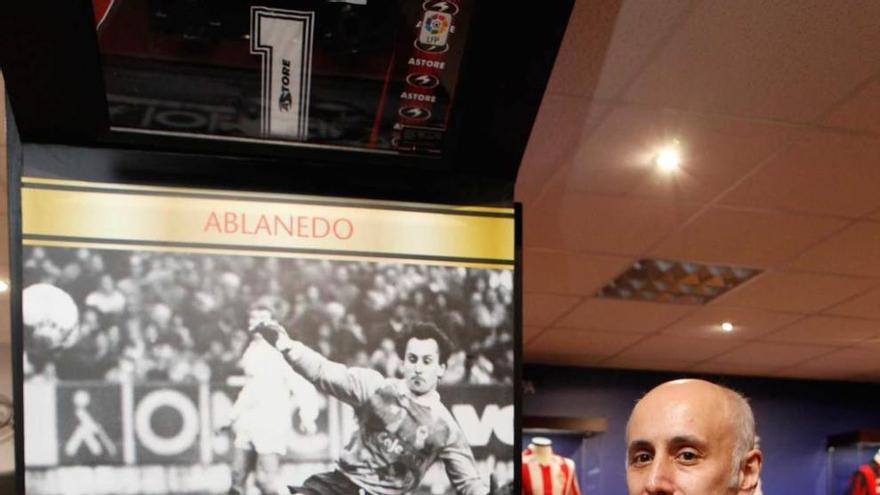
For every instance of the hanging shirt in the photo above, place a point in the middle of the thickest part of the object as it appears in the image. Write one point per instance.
(865, 481)
(556, 477)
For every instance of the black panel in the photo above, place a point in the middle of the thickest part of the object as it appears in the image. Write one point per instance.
(262, 174)
(52, 71)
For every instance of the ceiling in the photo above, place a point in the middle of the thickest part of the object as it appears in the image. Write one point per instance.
(776, 107)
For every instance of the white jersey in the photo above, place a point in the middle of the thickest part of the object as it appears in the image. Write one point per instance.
(263, 412)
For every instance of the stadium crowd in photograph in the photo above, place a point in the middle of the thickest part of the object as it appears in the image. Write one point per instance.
(183, 317)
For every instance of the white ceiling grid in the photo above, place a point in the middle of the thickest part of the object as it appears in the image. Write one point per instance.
(777, 110)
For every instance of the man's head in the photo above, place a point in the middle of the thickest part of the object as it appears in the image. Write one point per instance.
(424, 350)
(692, 437)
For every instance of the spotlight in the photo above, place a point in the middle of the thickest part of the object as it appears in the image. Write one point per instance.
(727, 326)
(669, 158)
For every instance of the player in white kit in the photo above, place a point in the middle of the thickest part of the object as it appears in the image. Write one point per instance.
(263, 411)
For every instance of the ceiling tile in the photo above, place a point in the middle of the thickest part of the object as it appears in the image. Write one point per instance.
(570, 341)
(601, 224)
(769, 355)
(842, 364)
(555, 359)
(796, 292)
(611, 41)
(750, 238)
(822, 173)
(558, 127)
(540, 310)
(749, 323)
(623, 316)
(872, 344)
(864, 306)
(530, 332)
(751, 369)
(558, 272)
(631, 363)
(852, 251)
(677, 348)
(733, 58)
(860, 112)
(618, 157)
(618, 154)
(826, 330)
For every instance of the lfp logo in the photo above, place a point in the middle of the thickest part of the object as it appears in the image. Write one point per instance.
(436, 24)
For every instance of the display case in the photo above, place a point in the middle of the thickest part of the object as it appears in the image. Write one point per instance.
(379, 76)
(846, 452)
(577, 439)
(415, 101)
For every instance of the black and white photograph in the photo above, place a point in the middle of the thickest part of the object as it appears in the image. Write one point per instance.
(186, 372)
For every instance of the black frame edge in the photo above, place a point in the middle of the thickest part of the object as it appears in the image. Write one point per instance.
(235, 172)
(14, 161)
(518, 345)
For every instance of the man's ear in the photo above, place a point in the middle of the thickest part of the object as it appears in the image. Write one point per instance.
(442, 369)
(750, 471)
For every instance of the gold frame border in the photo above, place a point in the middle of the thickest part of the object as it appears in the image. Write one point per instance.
(256, 252)
(256, 196)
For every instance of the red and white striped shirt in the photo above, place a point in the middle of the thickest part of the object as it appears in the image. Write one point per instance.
(554, 478)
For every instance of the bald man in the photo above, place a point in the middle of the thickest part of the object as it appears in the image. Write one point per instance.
(692, 437)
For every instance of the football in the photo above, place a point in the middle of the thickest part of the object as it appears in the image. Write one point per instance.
(50, 317)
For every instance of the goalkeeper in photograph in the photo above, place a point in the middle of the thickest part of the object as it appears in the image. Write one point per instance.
(403, 425)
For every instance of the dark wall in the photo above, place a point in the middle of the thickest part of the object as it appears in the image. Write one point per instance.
(794, 418)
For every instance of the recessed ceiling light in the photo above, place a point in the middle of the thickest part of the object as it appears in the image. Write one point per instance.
(4, 286)
(669, 158)
(727, 326)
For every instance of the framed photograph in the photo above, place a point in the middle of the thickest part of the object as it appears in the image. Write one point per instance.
(189, 340)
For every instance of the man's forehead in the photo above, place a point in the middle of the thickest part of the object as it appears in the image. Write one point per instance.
(422, 346)
(680, 410)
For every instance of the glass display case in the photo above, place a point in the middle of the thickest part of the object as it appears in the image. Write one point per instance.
(845, 454)
(419, 100)
(378, 76)
(572, 446)
(578, 439)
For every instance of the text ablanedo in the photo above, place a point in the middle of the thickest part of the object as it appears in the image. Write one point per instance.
(302, 226)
